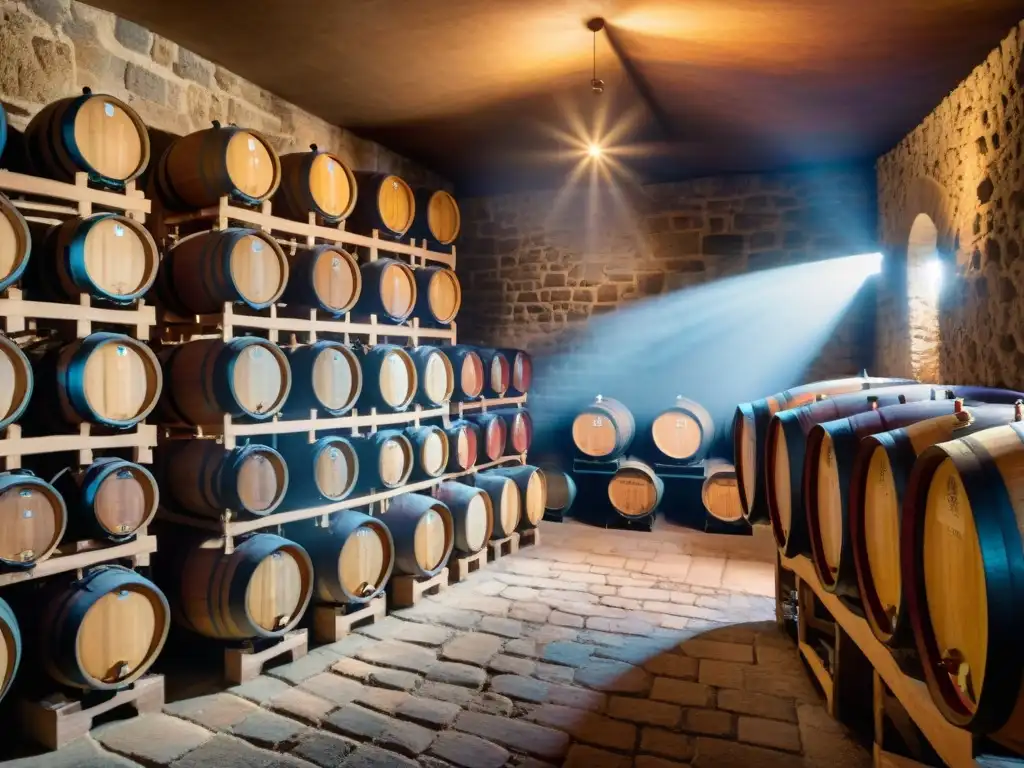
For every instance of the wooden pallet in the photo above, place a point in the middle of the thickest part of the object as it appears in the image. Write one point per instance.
(487, 403)
(529, 537)
(58, 719)
(500, 548)
(409, 590)
(75, 556)
(244, 664)
(333, 622)
(461, 567)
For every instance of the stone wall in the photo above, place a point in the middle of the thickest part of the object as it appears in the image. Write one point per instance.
(52, 48)
(962, 168)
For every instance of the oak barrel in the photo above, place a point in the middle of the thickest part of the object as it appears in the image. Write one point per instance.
(430, 451)
(635, 491)
(469, 372)
(15, 244)
(235, 265)
(439, 295)
(319, 472)
(352, 556)
(16, 381)
(519, 429)
(494, 436)
(684, 432)
(435, 374)
(389, 378)
(33, 518)
(260, 589)
(497, 372)
(315, 182)
(10, 647)
(463, 445)
(200, 168)
(388, 290)
(208, 378)
(561, 490)
(102, 631)
(750, 425)
(385, 203)
(505, 502)
(603, 430)
(324, 277)
(92, 133)
(203, 478)
(521, 378)
(326, 376)
(423, 531)
(385, 460)
(720, 493)
(533, 492)
(437, 216)
(110, 499)
(472, 515)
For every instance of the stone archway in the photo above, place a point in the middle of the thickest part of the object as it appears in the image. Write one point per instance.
(923, 284)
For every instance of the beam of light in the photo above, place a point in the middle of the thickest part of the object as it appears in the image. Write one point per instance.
(934, 272)
(594, 151)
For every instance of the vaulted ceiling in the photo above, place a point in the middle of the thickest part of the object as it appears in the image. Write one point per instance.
(490, 92)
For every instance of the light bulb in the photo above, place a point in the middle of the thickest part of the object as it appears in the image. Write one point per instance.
(594, 151)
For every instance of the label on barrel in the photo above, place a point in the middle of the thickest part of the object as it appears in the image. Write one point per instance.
(334, 453)
(122, 350)
(27, 514)
(257, 246)
(25, 493)
(335, 263)
(118, 230)
(108, 109)
(598, 422)
(252, 145)
(949, 514)
(680, 423)
(124, 528)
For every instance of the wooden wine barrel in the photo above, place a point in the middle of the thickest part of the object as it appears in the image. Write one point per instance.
(352, 557)
(388, 290)
(110, 499)
(497, 372)
(245, 377)
(33, 518)
(469, 372)
(561, 491)
(15, 244)
(315, 182)
(505, 502)
(423, 531)
(385, 203)
(103, 631)
(16, 381)
(472, 515)
(326, 376)
(324, 277)
(320, 472)
(518, 428)
(430, 451)
(533, 492)
(437, 216)
(389, 378)
(463, 445)
(440, 295)
(386, 460)
(200, 168)
(260, 589)
(106, 256)
(684, 432)
(106, 378)
(10, 647)
(750, 425)
(604, 430)
(203, 478)
(494, 436)
(240, 266)
(521, 378)
(435, 374)
(635, 490)
(720, 493)
(878, 485)
(92, 133)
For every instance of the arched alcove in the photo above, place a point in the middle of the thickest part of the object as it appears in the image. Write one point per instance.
(924, 281)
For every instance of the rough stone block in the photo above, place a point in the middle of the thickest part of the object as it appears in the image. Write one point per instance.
(357, 722)
(226, 751)
(517, 735)
(217, 710)
(374, 757)
(721, 674)
(682, 692)
(145, 83)
(757, 704)
(769, 733)
(588, 727)
(265, 729)
(513, 665)
(474, 648)
(710, 649)
(673, 665)
(491, 703)
(407, 631)
(395, 678)
(644, 711)
(152, 738)
(322, 749)
(719, 753)
(302, 705)
(709, 722)
(456, 674)
(381, 699)
(516, 687)
(334, 688)
(456, 694)
(428, 712)
(582, 756)
(193, 67)
(613, 677)
(496, 625)
(468, 751)
(393, 653)
(666, 743)
(131, 35)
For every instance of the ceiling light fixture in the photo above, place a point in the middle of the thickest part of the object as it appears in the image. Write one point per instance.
(595, 25)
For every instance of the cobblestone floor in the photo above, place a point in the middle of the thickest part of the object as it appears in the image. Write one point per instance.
(598, 648)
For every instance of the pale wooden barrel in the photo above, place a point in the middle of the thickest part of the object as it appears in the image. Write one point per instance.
(437, 216)
(423, 532)
(469, 372)
(320, 472)
(505, 501)
(440, 295)
(494, 435)
(15, 244)
(385, 204)
(472, 515)
(497, 372)
(436, 376)
(519, 429)
(326, 376)
(388, 290)
(390, 380)
(110, 499)
(533, 492)
(324, 277)
(386, 460)
(683, 433)
(720, 493)
(315, 182)
(10, 647)
(16, 381)
(463, 442)
(430, 449)
(604, 430)
(33, 518)
(635, 491)
(522, 371)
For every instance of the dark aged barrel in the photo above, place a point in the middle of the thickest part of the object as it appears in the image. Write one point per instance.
(15, 244)
(494, 436)
(683, 432)
(635, 491)
(204, 479)
(469, 372)
(388, 290)
(94, 133)
(16, 381)
(519, 429)
(200, 168)
(245, 377)
(720, 493)
(497, 372)
(877, 493)
(10, 647)
(561, 490)
(505, 502)
(235, 265)
(463, 445)
(261, 589)
(437, 216)
(521, 378)
(533, 492)
(326, 376)
(110, 499)
(603, 430)
(324, 277)
(385, 460)
(320, 472)
(439, 295)
(33, 518)
(472, 515)
(315, 182)
(385, 203)
(962, 558)
(103, 631)
(435, 374)
(389, 378)
(106, 256)
(352, 557)
(430, 451)
(750, 425)
(423, 532)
